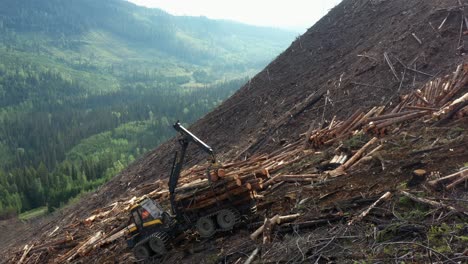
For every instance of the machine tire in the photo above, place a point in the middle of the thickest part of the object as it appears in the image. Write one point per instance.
(253, 208)
(158, 243)
(227, 218)
(141, 252)
(205, 227)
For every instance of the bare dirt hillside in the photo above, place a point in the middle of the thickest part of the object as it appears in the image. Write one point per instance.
(363, 54)
(336, 67)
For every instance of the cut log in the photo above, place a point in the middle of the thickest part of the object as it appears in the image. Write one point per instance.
(297, 179)
(211, 201)
(339, 159)
(435, 183)
(421, 97)
(269, 225)
(259, 230)
(308, 224)
(422, 108)
(88, 245)
(212, 194)
(222, 173)
(301, 176)
(53, 231)
(252, 256)
(457, 87)
(392, 68)
(367, 157)
(82, 247)
(116, 235)
(463, 178)
(26, 249)
(401, 119)
(358, 154)
(416, 38)
(430, 202)
(287, 218)
(276, 220)
(386, 196)
(348, 122)
(68, 240)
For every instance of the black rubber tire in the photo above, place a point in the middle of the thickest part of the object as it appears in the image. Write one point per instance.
(141, 252)
(205, 227)
(227, 218)
(157, 243)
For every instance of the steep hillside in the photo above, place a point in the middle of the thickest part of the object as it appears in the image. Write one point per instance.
(341, 58)
(363, 54)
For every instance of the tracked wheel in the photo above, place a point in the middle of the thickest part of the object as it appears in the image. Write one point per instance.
(227, 218)
(141, 252)
(205, 227)
(253, 209)
(158, 243)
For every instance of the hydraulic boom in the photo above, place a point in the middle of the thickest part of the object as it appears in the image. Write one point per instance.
(179, 159)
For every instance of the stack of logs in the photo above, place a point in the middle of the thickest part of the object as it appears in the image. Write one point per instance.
(201, 188)
(433, 100)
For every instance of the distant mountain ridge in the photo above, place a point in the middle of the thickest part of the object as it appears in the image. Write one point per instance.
(87, 86)
(190, 38)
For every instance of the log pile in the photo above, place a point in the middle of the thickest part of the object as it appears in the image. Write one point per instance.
(241, 179)
(435, 100)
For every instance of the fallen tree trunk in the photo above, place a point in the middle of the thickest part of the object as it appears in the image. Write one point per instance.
(358, 154)
(258, 231)
(437, 182)
(277, 219)
(430, 202)
(365, 158)
(271, 181)
(27, 248)
(269, 225)
(463, 178)
(309, 224)
(297, 179)
(401, 119)
(452, 113)
(287, 218)
(386, 196)
(252, 256)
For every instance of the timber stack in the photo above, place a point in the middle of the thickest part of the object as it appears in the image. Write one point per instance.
(434, 101)
(203, 186)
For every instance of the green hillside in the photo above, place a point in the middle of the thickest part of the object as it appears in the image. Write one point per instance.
(88, 86)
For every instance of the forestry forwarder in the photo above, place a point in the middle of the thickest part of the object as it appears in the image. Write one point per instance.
(154, 229)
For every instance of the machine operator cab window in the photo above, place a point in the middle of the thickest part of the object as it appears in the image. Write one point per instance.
(147, 213)
(151, 209)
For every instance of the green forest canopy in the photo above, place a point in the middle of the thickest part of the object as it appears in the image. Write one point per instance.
(87, 86)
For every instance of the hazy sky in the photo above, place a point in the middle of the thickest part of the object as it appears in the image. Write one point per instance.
(291, 14)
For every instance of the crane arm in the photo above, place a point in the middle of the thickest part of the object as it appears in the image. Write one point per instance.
(179, 159)
(192, 138)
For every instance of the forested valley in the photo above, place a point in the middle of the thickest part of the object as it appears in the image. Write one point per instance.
(87, 87)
